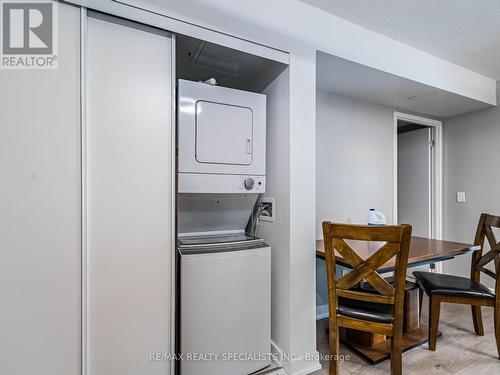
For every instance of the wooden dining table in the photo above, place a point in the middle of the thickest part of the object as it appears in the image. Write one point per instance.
(376, 348)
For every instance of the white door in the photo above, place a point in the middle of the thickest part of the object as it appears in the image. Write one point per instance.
(223, 133)
(414, 180)
(129, 197)
(40, 216)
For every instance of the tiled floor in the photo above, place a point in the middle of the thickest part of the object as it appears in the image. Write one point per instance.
(459, 350)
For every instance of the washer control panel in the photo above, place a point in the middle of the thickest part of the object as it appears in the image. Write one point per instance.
(249, 183)
(253, 183)
(217, 183)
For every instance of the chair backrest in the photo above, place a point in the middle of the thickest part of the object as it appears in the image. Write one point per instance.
(397, 244)
(479, 260)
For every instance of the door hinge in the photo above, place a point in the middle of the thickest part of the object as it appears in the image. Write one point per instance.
(432, 143)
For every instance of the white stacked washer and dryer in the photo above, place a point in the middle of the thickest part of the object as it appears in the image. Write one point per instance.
(225, 273)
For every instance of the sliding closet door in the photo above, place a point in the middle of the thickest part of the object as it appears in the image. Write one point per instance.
(128, 197)
(40, 247)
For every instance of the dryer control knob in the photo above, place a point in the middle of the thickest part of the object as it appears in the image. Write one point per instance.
(249, 182)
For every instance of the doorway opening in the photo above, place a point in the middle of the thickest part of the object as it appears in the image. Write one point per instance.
(418, 175)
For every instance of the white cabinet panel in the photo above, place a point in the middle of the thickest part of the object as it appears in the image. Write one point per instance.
(40, 225)
(226, 308)
(129, 197)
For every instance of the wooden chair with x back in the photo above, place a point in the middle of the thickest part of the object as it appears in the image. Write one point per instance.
(380, 311)
(467, 291)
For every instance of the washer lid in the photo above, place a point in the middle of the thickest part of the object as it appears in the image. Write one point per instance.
(218, 240)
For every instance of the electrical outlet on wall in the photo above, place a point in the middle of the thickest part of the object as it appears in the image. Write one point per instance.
(461, 197)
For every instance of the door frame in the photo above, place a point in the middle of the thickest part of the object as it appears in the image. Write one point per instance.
(436, 188)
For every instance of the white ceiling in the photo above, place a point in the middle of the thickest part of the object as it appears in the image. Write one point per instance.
(338, 76)
(466, 32)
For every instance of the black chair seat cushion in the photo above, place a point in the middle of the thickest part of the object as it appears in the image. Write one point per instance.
(373, 312)
(436, 283)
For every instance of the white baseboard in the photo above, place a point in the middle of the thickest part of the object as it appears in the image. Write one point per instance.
(321, 312)
(277, 352)
(299, 366)
(278, 355)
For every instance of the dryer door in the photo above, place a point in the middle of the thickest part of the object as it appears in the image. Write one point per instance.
(221, 132)
(224, 133)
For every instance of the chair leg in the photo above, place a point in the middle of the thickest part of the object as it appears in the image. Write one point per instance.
(420, 301)
(397, 352)
(497, 327)
(477, 320)
(434, 309)
(334, 347)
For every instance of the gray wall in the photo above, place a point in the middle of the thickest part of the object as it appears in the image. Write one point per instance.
(471, 164)
(354, 159)
(354, 167)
